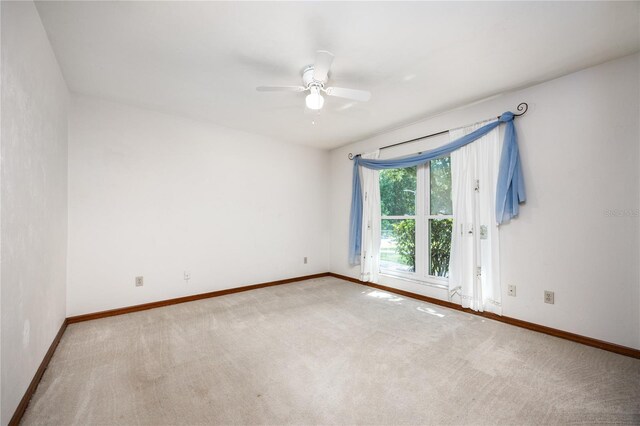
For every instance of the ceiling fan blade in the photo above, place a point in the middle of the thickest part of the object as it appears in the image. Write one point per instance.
(353, 94)
(280, 89)
(323, 63)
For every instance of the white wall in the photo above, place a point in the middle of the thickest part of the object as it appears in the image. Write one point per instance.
(579, 144)
(156, 195)
(33, 200)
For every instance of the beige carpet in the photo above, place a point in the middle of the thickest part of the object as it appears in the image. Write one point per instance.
(326, 351)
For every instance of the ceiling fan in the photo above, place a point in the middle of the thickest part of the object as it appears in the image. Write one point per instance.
(314, 79)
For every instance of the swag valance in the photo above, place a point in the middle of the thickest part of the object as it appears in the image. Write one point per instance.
(510, 190)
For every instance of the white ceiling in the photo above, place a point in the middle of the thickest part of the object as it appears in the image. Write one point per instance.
(204, 59)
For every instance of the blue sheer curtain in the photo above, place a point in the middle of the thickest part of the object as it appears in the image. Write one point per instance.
(510, 190)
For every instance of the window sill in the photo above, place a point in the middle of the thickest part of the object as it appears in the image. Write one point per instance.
(431, 283)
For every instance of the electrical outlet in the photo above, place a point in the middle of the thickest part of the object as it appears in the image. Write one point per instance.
(139, 281)
(187, 275)
(305, 260)
(548, 297)
(512, 290)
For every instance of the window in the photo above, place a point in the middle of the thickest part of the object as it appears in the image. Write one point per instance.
(416, 214)
(398, 188)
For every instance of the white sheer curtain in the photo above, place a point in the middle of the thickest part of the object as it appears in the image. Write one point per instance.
(474, 266)
(370, 257)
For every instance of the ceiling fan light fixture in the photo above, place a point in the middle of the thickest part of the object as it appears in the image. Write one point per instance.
(314, 100)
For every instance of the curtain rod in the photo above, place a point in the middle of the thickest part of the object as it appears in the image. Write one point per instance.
(522, 107)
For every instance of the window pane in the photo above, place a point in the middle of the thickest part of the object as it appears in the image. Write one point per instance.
(440, 179)
(439, 246)
(398, 192)
(398, 245)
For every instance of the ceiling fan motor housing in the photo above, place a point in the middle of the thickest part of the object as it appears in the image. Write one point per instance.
(307, 77)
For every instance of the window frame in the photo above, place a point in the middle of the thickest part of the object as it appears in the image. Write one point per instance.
(421, 218)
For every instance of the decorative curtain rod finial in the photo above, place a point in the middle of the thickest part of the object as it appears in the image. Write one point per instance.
(522, 107)
(350, 156)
